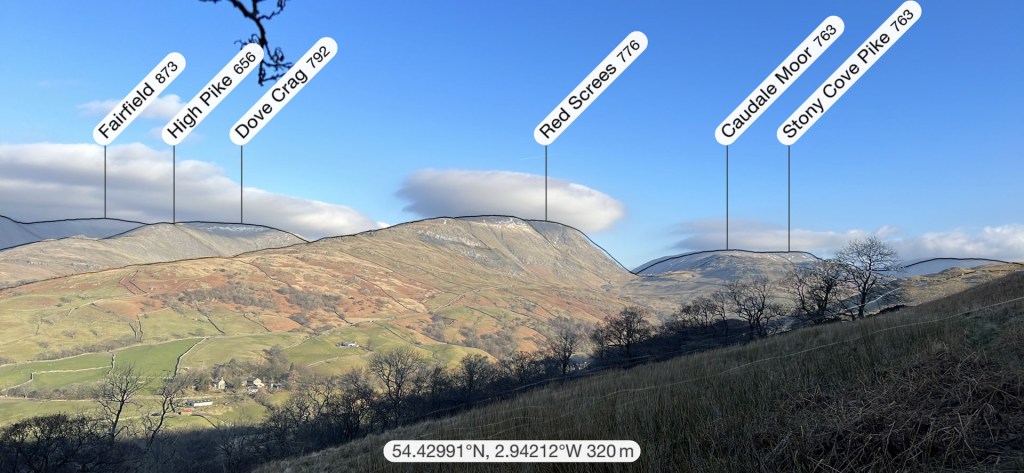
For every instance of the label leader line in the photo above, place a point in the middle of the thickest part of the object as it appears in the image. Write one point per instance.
(840, 81)
(208, 98)
(584, 94)
(792, 67)
(133, 104)
(268, 106)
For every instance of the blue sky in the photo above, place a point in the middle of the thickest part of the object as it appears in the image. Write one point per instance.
(429, 110)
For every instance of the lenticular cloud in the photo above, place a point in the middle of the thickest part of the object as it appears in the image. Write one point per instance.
(434, 193)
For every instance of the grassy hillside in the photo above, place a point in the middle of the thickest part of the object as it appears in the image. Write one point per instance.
(446, 287)
(939, 387)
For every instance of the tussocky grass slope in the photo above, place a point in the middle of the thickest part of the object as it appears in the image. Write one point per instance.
(931, 388)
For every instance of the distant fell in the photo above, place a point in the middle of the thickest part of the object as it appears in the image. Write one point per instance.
(73, 247)
(728, 264)
(14, 233)
(920, 267)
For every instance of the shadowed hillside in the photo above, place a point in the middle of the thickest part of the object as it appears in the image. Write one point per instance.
(939, 387)
(14, 233)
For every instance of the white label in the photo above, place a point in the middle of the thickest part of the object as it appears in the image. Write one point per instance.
(210, 96)
(283, 91)
(512, 451)
(138, 99)
(779, 80)
(852, 69)
(596, 82)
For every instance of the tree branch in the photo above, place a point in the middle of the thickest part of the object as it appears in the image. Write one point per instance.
(273, 65)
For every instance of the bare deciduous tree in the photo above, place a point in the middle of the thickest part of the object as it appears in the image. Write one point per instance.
(565, 343)
(353, 407)
(703, 312)
(399, 370)
(818, 289)
(623, 332)
(871, 265)
(54, 442)
(753, 302)
(474, 372)
(116, 393)
(273, 66)
(171, 393)
(521, 367)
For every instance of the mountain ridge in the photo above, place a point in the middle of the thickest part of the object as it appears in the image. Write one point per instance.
(444, 287)
(665, 262)
(48, 258)
(439, 283)
(14, 233)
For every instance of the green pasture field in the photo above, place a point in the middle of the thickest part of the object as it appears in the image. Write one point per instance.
(218, 350)
(155, 360)
(14, 374)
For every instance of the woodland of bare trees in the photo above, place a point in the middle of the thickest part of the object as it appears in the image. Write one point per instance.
(398, 386)
(857, 281)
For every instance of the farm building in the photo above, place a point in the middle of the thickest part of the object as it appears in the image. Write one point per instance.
(253, 385)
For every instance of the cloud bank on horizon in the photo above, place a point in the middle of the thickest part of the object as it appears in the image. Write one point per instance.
(1005, 242)
(46, 181)
(435, 193)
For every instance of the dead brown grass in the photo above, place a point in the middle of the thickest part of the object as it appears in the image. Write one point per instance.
(951, 408)
(933, 388)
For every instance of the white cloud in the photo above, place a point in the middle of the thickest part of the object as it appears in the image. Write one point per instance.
(434, 193)
(759, 236)
(45, 181)
(163, 107)
(1000, 242)
(1005, 242)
